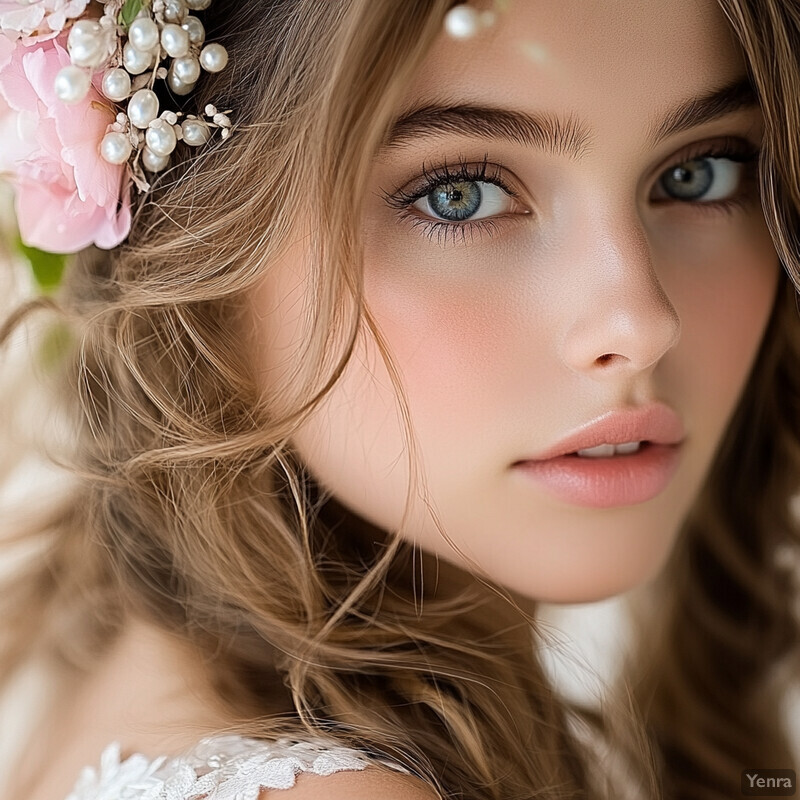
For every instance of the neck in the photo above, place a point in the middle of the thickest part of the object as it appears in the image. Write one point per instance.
(500, 615)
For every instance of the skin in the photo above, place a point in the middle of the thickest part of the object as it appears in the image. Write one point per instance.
(591, 293)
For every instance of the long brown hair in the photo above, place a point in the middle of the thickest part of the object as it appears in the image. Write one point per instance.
(191, 510)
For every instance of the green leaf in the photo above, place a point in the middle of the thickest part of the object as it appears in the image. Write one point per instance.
(47, 267)
(128, 12)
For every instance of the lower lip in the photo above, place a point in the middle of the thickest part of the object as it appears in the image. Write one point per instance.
(620, 480)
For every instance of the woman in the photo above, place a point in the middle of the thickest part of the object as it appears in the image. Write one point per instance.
(290, 523)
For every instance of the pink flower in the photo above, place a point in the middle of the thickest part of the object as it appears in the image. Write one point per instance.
(37, 20)
(67, 195)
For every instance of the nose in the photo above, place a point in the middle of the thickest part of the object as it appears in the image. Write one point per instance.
(619, 319)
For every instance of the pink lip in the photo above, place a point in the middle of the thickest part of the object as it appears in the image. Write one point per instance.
(655, 423)
(619, 479)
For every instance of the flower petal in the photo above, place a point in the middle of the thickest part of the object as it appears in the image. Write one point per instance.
(6, 49)
(43, 223)
(14, 84)
(38, 20)
(80, 127)
(22, 18)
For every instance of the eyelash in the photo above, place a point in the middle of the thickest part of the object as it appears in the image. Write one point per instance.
(436, 176)
(731, 148)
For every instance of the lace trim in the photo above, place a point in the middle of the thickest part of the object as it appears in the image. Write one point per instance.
(218, 768)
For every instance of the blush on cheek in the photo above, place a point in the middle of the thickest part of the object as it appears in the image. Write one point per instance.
(456, 356)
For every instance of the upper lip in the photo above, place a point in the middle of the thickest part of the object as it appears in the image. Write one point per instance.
(655, 423)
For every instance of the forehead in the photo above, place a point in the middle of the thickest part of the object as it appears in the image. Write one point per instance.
(601, 57)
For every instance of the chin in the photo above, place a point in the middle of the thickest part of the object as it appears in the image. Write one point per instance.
(589, 582)
(575, 595)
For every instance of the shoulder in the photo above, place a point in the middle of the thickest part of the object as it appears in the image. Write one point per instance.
(366, 784)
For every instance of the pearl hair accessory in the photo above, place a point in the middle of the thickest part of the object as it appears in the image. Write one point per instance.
(135, 43)
(464, 22)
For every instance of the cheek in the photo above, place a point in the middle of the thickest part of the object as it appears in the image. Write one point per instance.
(724, 315)
(451, 342)
(469, 357)
(442, 342)
(354, 443)
(352, 440)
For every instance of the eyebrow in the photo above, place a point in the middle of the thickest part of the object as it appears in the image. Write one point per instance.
(559, 135)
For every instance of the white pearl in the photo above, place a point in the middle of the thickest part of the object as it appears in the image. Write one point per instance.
(153, 163)
(116, 85)
(175, 40)
(72, 84)
(143, 34)
(175, 11)
(195, 29)
(461, 21)
(87, 54)
(116, 148)
(214, 58)
(143, 108)
(136, 61)
(187, 69)
(84, 27)
(85, 44)
(195, 132)
(161, 137)
(176, 85)
(198, 5)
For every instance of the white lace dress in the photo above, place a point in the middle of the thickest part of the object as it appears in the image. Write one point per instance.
(218, 768)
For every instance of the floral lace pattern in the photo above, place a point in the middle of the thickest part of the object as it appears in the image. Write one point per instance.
(218, 768)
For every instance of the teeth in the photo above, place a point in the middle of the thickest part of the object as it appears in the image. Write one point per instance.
(601, 451)
(606, 450)
(628, 447)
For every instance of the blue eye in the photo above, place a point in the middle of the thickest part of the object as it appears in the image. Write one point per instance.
(465, 199)
(720, 175)
(703, 179)
(457, 202)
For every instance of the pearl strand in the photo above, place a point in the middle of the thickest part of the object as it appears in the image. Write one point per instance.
(132, 54)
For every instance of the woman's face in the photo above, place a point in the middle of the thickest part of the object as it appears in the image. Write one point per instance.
(588, 247)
